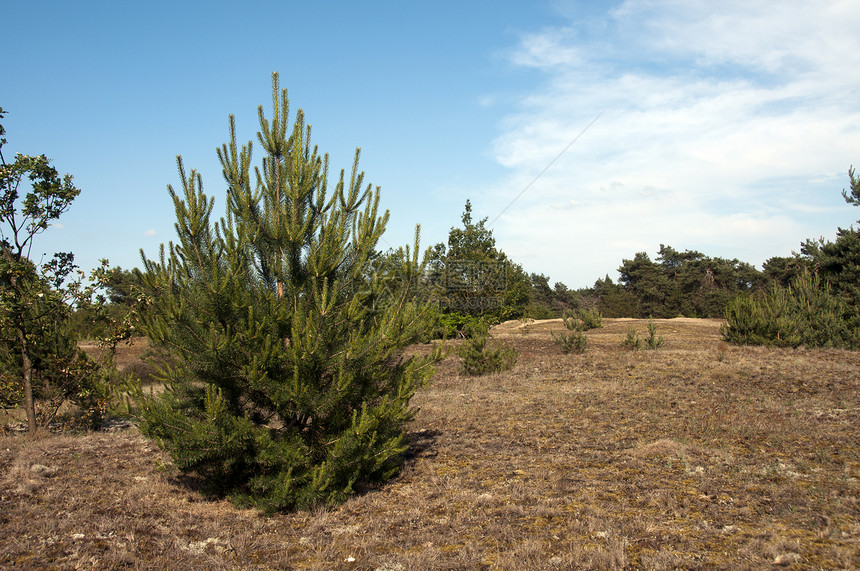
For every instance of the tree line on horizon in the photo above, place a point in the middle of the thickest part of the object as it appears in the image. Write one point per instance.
(675, 284)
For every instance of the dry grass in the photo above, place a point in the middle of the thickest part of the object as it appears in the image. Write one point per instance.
(132, 356)
(699, 455)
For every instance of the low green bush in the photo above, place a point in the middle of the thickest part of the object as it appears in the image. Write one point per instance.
(590, 319)
(573, 342)
(632, 341)
(454, 324)
(480, 359)
(653, 341)
(803, 313)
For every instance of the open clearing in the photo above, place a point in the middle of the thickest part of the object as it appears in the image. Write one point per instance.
(698, 455)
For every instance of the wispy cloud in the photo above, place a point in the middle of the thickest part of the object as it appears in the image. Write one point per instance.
(723, 125)
(150, 232)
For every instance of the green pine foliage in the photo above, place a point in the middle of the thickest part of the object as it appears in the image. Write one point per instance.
(548, 302)
(576, 322)
(476, 278)
(573, 342)
(612, 299)
(582, 320)
(450, 325)
(288, 387)
(678, 283)
(589, 319)
(805, 312)
(481, 359)
(839, 262)
(814, 298)
(653, 340)
(632, 340)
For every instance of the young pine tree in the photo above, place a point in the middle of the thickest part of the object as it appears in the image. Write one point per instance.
(805, 312)
(288, 387)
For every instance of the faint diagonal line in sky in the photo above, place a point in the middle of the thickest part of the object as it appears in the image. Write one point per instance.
(546, 168)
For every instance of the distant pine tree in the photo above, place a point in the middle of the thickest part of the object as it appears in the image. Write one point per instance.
(802, 313)
(288, 387)
(814, 299)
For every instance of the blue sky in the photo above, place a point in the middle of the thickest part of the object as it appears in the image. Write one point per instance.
(725, 127)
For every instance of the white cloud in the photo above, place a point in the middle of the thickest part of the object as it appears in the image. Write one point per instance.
(547, 50)
(150, 232)
(486, 100)
(722, 125)
(783, 37)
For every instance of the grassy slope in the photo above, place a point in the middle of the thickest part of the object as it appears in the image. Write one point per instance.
(698, 455)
